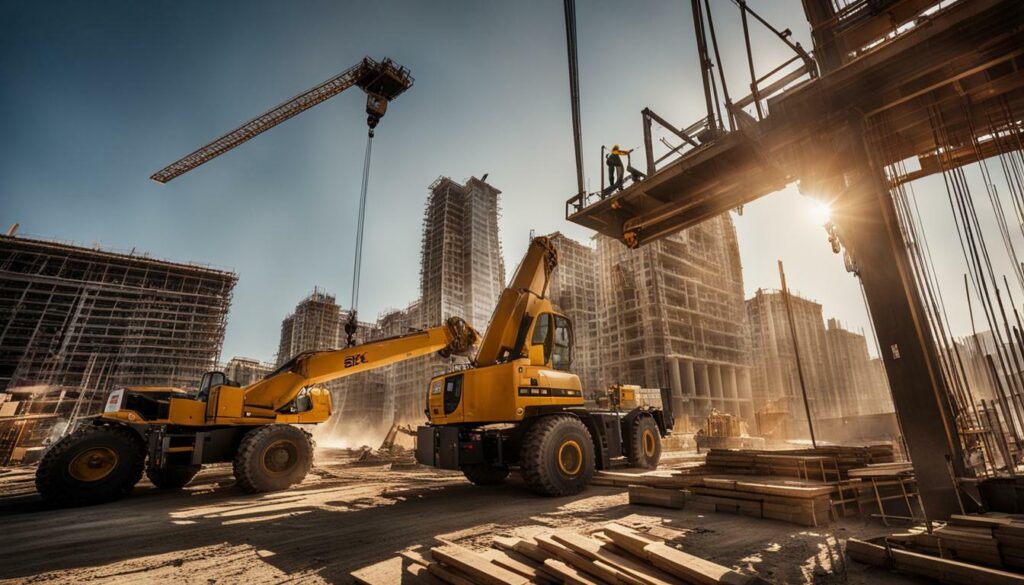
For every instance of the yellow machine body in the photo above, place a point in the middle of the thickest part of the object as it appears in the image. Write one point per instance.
(289, 395)
(504, 392)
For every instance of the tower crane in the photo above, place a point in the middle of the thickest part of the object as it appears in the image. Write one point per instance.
(382, 81)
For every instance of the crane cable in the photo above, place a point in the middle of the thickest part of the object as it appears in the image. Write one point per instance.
(574, 91)
(352, 325)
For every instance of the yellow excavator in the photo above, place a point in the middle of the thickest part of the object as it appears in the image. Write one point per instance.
(516, 406)
(169, 433)
(519, 406)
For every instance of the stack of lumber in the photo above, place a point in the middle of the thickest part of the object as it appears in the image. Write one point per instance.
(989, 539)
(807, 503)
(796, 462)
(803, 503)
(943, 570)
(616, 555)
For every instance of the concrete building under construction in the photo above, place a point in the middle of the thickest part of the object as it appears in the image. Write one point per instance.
(245, 370)
(672, 316)
(461, 267)
(841, 379)
(78, 321)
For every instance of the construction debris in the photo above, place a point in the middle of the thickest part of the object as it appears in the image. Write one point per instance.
(613, 554)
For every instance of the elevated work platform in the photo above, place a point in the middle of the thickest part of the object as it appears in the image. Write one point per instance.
(968, 53)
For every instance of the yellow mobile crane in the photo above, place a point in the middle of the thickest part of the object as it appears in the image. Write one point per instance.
(520, 407)
(170, 434)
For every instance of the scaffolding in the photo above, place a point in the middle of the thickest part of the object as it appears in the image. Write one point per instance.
(77, 321)
(672, 317)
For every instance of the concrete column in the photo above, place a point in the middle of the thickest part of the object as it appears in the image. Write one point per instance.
(746, 390)
(689, 386)
(729, 382)
(703, 390)
(676, 385)
(715, 373)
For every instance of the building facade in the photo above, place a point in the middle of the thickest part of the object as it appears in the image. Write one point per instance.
(462, 271)
(671, 315)
(79, 321)
(245, 371)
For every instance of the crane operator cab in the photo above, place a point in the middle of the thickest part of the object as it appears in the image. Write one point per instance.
(527, 413)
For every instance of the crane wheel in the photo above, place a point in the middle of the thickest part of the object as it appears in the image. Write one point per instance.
(484, 474)
(557, 457)
(272, 458)
(645, 447)
(92, 465)
(172, 477)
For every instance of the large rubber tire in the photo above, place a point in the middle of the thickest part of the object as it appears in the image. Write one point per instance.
(272, 458)
(172, 477)
(92, 465)
(557, 457)
(483, 474)
(645, 447)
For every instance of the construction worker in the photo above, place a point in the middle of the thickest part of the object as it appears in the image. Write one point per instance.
(615, 167)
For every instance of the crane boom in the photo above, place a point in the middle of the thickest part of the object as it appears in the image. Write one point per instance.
(278, 389)
(505, 337)
(383, 81)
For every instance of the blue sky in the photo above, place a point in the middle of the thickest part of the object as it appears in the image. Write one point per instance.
(96, 96)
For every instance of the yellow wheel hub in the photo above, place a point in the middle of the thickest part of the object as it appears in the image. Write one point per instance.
(650, 443)
(570, 457)
(93, 464)
(280, 457)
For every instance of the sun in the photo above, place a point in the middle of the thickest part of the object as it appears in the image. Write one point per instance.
(821, 213)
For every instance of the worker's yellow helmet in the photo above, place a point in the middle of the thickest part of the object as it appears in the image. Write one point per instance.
(616, 147)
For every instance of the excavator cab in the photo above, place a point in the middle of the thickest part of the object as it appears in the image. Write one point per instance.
(552, 341)
(208, 381)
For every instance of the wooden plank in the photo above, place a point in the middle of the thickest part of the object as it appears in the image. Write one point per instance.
(449, 575)
(477, 567)
(419, 574)
(568, 574)
(532, 551)
(950, 571)
(506, 542)
(867, 553)
(651, 496)
(691, 568)
(598, 551)
(436, 570)
(505, 560)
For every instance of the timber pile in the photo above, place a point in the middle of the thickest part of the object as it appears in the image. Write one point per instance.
(798, 502)
(836, 459)
(969, 550)
(989, 539)
(616, 554)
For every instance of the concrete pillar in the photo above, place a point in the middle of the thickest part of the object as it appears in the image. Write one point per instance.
(689, 386)
(716, 387)
(703, 389)
(729, 382)
(676, 385)
(745, 388)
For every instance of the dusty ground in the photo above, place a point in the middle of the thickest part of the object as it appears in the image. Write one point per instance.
(344, 517)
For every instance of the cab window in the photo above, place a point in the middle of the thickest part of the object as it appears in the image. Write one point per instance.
(561, 347)
(540, 330)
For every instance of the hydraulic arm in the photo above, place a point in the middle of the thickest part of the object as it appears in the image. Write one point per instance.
(506, 337)
(280, 388)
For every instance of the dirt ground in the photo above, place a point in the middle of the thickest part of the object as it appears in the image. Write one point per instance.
(346, 516)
